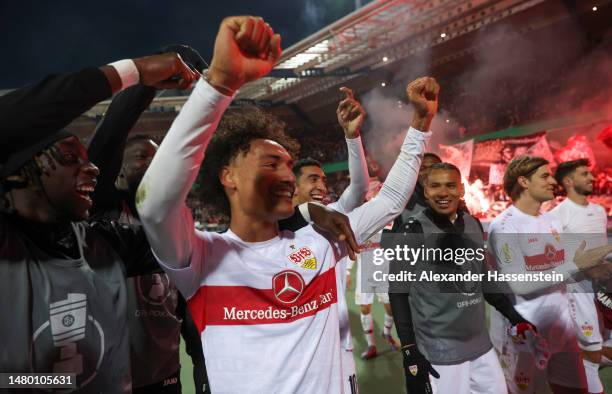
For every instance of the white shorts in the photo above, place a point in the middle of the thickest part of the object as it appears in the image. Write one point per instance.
(365, 295)
(483, 375)
(565, 368)
(590, 332)
(348, 372)
(554, 322)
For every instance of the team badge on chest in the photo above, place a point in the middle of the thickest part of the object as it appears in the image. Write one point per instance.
(304, 258)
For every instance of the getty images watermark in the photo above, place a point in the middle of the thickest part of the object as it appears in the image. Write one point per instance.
(507, 263)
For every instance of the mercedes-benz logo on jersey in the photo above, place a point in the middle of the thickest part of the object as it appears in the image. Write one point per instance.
(550, 252)
(74, 336)
(287, 286)
(154, 289)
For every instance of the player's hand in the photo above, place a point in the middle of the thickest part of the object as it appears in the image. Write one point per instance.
(601, 273)
(518, 330)
(189, 55)
(350, 114)
(246, 49)
(349, 281)
(417, 370)
(587, 258)
(335, 223)
(165, 71)
(423, 95)
(526, 338)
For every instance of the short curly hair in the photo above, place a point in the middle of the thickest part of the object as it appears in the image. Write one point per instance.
(233, 137)
(523, 165)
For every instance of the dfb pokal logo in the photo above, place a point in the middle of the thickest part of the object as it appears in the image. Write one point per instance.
(287, 286)
(71, 341)
(153, 289)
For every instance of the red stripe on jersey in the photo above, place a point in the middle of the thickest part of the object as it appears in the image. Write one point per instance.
(551, 258)
(243, 305)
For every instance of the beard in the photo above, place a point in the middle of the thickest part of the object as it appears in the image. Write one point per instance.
(584, 191)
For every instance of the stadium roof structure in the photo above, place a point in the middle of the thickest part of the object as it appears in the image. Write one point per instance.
(386, 41)
(370, 40)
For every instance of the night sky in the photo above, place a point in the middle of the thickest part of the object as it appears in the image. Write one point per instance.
(46, 36)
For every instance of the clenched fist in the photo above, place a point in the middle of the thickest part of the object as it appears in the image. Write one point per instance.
(423, 95)
(246, 49)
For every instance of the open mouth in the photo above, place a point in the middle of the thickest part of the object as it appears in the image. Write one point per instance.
(284, 192)
(443, 203)
(85, 189)
(317, 197)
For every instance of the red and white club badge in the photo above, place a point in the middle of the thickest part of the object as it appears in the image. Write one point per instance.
(304, 258)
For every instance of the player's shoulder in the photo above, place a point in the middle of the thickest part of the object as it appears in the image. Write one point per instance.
(559, 209)
(597, 208)
(307, 233)
(215, 238)
(504, 222)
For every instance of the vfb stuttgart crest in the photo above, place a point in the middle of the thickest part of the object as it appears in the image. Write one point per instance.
(287, 286)
(414, 369)
(304, 258)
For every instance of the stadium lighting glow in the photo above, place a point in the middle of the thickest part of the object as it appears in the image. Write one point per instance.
(443, 35)
(447, 121)
(384, 59)
(595, 8)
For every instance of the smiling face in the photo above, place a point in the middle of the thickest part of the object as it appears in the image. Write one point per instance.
(443, 190)
(260, 182)
(311, 185)
(540, 185)
(68, 180)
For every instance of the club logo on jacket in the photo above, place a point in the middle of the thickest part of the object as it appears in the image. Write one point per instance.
(413, 370)
(304, 258)
(74, 336)
(287, 286)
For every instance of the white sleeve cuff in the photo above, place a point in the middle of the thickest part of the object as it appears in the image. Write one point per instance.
(127, 72)
(304, 211)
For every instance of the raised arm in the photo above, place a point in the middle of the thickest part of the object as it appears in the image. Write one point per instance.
(106, 147)
(32, 113)
(108, 143)
(240, 56)
(351, 115)
(33, 117)
(372, 216)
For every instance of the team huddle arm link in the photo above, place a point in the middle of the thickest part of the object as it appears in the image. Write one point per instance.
(108, 143)
(32, 113)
